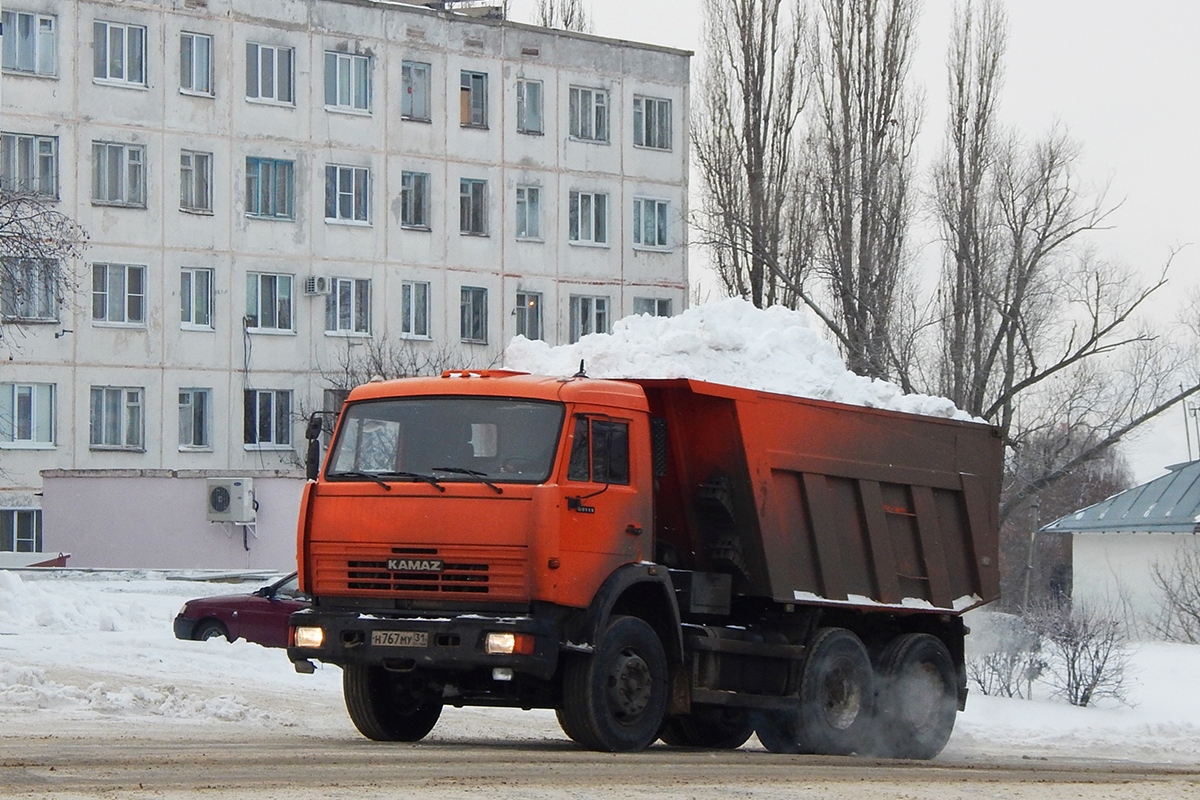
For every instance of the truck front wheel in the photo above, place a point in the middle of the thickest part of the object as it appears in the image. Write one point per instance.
(614, 699)
(388, 707)
(918, 697)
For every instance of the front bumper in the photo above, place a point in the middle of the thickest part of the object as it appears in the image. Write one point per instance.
(184, 627)
(453, 644)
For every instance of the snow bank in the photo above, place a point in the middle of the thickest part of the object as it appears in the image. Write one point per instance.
(730, 342)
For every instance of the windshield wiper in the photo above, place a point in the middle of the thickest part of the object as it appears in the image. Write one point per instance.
(368, 475)
(377, 477)
(473, 473)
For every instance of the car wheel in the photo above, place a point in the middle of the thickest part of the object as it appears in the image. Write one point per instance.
(210, 629)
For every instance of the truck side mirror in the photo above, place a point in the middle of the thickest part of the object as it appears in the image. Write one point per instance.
(312, 457)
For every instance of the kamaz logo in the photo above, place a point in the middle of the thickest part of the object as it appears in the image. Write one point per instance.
(416, 564)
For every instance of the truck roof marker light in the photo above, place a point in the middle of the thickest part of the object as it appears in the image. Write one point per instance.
(481, 373)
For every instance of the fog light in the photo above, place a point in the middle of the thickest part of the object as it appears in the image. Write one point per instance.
(508, 644)
(502, 674)
(308, 637)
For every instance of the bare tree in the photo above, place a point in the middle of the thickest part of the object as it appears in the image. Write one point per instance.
(568, 15)
(386, 358)
(1179, 582)
(863, 152)
(753, 212)
(38, 245)
(1086, 651)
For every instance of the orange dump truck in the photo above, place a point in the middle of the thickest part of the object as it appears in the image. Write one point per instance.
(654, 559)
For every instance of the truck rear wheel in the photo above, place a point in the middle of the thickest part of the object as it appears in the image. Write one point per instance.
(918, 697)
(837, 695)
(614, 699)
(710, 727)
(388, 707)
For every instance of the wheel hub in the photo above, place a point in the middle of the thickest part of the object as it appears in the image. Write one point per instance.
(629, 685)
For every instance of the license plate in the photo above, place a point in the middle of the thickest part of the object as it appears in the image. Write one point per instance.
(400, 638)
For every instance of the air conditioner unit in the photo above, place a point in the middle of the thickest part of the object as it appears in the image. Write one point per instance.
(230, 500)
(317, 284)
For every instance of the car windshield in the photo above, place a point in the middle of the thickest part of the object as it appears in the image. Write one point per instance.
(471, 439)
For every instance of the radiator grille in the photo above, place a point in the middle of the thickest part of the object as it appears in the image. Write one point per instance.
(495, 573)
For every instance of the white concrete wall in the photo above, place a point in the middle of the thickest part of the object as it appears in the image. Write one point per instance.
(1115, 570)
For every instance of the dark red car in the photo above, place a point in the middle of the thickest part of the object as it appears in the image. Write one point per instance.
(261, 616)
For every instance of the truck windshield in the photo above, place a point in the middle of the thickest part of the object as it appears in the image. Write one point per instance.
(455, 439)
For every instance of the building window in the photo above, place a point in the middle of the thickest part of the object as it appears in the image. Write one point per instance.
(473, 307)
(529, 315)
(649, 222)
(529, 106)
(116, 417)
(119, 53)
(414, 90)
(195, 63)
(654, 306)
(270, 188)
(29, 164)
(195, 413)
(347, 82)
(588, 315)
(27, 414)
(269, 73)
(119, 293)
(269, 302)
(414, 309)
(118, 174)
(348, 306)
(529, 212)
(414, 199)
(195, 298)
(472, 207)
(30, 43)
(28, 289)
(20, 528)
(347, 190)
(473, 99)
(268, 417)
(588, 223)
(195, 181)
(652, 123)
(589, 114)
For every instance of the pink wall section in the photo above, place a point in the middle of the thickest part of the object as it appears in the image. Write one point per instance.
(118, 519)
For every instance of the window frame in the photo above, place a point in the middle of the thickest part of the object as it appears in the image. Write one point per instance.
(347, 194)
(414, 295)
(41, 409)
(31, 171)
(197, 417)
(416, 74)
(647, 134)
(348, 82)
(589, 313)
(255, 193)
(190, 68)
(283, 306)
(130, 188)
(195, 182)
(117, 293)
(473, 206)
(659, 211)
(473, 99)
(356, 307)
(129, 77)
(277, 70)
(414, 197)
(10, 530)
(529, 213)
(589, 114)
(131, 424)
(595, 216)
(280, 423)
(537, 126)
(190, 292)
(43, 57)
(657, 304)
(40, 279)
(527, 319)
(473, 316)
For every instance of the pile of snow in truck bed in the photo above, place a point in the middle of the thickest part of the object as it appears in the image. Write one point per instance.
(730, 342)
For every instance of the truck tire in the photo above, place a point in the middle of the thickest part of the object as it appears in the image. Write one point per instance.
(387, 707)
(614, 699)
(776, 730)
(710, 727)
(837, 695)
(917, 697)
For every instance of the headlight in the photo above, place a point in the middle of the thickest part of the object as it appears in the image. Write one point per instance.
(507, 643)
(308, 637)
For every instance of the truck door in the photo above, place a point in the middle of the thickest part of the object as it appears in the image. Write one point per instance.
(607, 511)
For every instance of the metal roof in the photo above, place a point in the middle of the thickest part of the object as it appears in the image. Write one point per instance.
(1170, 504)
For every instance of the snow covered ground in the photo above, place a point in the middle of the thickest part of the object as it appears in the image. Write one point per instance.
(95, 651)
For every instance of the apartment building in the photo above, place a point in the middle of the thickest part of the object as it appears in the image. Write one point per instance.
(274, 190)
